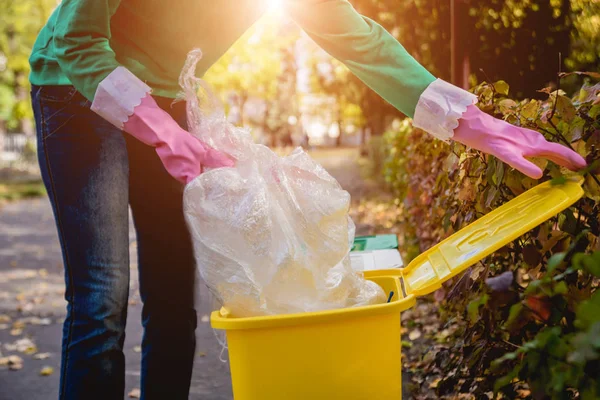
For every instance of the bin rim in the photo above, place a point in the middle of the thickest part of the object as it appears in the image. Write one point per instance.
(402, 303)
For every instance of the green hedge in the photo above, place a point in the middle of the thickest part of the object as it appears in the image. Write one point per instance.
(536, 323)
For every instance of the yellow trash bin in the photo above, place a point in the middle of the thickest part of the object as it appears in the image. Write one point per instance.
(354, 353)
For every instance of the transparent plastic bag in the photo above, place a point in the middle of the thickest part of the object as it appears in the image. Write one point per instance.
(271, 235)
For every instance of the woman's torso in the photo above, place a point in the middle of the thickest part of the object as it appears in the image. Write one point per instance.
(152, 38)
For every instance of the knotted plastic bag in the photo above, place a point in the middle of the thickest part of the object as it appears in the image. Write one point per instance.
(271, 235)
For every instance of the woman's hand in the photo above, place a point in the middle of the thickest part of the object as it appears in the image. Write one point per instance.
(125, 101)
(512, 144)
(182, 154)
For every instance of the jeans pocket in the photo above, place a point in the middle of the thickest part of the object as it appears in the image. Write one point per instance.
(58, 106)
(56, 94)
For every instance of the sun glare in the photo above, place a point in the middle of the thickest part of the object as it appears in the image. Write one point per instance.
(275, 4)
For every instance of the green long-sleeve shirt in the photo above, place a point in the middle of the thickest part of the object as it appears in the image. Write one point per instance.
(85, 40)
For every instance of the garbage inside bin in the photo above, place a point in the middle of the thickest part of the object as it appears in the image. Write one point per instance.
(375, 252)
(271, 235)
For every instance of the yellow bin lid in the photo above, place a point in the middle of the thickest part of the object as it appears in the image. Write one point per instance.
(429, 270)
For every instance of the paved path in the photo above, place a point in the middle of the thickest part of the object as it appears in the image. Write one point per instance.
(31, 295)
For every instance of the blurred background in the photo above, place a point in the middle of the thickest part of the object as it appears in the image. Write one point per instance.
(290, 93)
(277, 82)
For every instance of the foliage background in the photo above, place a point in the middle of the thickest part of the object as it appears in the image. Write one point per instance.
(527, 317)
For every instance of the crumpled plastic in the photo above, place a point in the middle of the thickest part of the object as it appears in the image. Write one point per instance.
(271, 235)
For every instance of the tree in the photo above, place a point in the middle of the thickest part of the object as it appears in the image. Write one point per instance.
(282, 109)
(251, 67)
(585, 37)
(519, 41)
(355, 104)
(515, 40)
(20, 23)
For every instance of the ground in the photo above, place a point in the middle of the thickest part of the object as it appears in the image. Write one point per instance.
(32, 304)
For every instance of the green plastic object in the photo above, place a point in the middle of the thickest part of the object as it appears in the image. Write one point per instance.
(375, 242)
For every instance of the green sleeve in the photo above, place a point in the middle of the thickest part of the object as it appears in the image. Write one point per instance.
(81, 42)
(366, 48)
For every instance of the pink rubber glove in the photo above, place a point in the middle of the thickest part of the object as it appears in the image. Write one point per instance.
(512, 144)
(182, 154)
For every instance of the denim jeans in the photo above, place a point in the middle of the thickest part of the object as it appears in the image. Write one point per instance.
(93, 171)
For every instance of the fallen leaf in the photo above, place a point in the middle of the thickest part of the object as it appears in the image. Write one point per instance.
(205, 318)
(41, 356)
(135, 394)
(3, 326)
(19, 324)
(435, 383)
(541, 307)
(552, 240)
(137, 349)
(16, 332)
(10, 346)
(201, 354)
(531, 255)
(443, 335)
(41, 321)
(439, 295)
(38, 300)
(24, 345)
(43, 272)
(4, 318)
(26, 308)
(15, 363)
(13, 263)
(414, 335)
(476, 271)
(46, 371)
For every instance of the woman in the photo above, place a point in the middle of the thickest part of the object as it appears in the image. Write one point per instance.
(105, 142)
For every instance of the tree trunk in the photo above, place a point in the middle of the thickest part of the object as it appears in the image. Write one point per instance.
(242, 105)
(340, 124)
(363, 139)
(273, 133)
(2, 136)
(377, 124)
(459, 59)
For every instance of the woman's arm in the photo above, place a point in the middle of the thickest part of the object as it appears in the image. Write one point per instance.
(82, 42)
(439, 108)
(366, 48)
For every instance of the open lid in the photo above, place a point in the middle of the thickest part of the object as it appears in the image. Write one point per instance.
(429, 270)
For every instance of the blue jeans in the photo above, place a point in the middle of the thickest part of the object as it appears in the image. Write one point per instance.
(93, 172)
